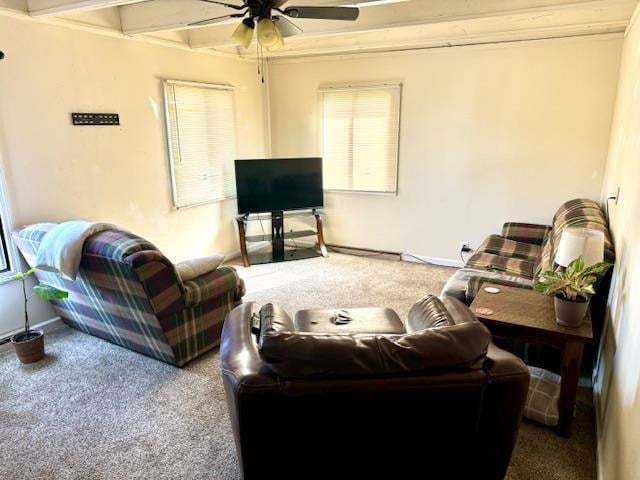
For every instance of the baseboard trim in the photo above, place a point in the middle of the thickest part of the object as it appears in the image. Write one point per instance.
(404, 257)
(443, 262)
(47, 326)
(251, 248)
(364, 252)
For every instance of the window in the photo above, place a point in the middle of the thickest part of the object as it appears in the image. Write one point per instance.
(202, 142)
(360, 130)
(4, 253)
(5, 265)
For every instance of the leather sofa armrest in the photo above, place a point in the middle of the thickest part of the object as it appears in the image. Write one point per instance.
(239, 354)
(526, 232)
(502, 366)
(503, 405)
(428, 312)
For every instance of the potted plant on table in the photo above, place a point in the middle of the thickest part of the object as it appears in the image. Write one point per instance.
(29, 344)
(572, 289)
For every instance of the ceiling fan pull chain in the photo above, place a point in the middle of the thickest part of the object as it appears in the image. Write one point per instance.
(264, 62)
(258, 56)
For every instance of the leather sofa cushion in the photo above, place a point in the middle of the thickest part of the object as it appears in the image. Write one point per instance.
(363, 320)
(460, 344)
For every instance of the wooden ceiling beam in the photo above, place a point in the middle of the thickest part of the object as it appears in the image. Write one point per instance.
(41, 8)
(435, 12)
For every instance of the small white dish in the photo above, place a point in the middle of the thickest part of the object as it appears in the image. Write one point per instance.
(492, 290)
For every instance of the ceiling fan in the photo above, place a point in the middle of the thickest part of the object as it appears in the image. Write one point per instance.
(269, 18)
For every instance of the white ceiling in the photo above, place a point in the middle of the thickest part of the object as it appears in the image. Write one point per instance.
(400, 25)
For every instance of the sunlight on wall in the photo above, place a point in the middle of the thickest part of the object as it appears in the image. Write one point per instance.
(617, 380)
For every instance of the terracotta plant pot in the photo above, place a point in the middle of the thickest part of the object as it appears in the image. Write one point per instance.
(29, 346)
(570, 314)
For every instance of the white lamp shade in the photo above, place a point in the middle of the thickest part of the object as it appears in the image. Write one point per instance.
(280, 43)
(243, 35)
(268, 36)
(584, 242)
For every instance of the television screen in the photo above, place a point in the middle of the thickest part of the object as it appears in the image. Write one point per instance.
(279, 184)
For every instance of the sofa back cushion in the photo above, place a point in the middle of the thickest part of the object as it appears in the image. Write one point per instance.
(448, 346)
(578, 213)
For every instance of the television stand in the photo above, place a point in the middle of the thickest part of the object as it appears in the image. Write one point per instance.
(280, 252)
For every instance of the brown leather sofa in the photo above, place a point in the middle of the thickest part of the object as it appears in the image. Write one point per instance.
(435, 400)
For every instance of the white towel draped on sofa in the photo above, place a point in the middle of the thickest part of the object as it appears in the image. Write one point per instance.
(61, 248)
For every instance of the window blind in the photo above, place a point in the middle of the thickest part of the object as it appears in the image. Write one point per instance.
(5, 264)
(360, 131)
(4, 253)
(202, 142)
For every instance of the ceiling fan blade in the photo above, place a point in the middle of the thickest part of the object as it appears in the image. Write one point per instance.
(224, 4)
(323, 13)
(210, 21)
(287, 28)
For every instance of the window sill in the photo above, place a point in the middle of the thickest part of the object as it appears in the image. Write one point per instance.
(364, 192)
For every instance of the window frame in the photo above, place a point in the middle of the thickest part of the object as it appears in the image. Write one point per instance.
(376, 85)
(172, 172)
(5, 231)
(4, 246)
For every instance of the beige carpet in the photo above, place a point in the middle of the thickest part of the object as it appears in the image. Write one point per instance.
(92, 410)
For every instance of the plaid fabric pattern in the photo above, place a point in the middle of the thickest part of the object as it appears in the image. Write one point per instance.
(579, 213)
(127, 292)
(210, 285)
(116, 244)
(542, 398)
(525, 232)
(496, 263)
(504, 247)
(545, 262)
(160, 281)
(197, 329)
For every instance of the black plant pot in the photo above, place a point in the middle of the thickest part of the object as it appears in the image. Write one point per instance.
(29, 345)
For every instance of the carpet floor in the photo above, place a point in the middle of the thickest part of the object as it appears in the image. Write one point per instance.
(92, 410)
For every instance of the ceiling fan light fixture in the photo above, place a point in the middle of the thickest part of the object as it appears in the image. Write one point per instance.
(243, 34)
(268, 35)
(280, 43)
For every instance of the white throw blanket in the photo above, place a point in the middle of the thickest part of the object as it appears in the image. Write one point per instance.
(61, 248)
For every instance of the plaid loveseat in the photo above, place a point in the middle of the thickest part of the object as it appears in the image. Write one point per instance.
(128, 292)
(524, 250)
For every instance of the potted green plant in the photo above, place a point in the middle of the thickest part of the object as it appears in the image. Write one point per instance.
(572, 289)
(29, 344)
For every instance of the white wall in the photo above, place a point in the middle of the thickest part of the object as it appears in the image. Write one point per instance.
(617, 386)
(488, 134)
(55, 171)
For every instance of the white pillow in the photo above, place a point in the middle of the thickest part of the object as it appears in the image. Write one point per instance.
(190, 269)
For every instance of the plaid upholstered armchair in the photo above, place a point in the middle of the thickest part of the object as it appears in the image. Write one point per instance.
(128, 292)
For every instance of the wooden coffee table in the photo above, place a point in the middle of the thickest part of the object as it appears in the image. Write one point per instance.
(529, 316)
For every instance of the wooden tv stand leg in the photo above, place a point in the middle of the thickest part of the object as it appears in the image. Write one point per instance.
(243, 241)
(321, 244)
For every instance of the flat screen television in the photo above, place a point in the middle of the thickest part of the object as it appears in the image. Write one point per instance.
(279, 184)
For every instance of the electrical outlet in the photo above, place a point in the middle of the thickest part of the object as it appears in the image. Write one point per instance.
(464, 246)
